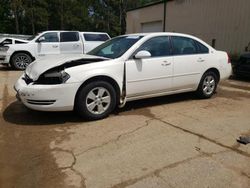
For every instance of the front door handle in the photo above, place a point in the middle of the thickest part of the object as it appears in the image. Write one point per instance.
(165, 63)
(55, 46)
(200, 60)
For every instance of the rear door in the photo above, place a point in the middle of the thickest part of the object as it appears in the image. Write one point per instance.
(150, 75)
(50, 44)
(189, 59)
(70, 43)
(92, 40)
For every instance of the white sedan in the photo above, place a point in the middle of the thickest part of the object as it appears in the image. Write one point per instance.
(125, 68)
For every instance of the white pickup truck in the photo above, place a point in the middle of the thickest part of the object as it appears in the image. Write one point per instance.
(20, 55)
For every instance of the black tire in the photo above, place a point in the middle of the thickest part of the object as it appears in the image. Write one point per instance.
(83, 98)
(204, 93)
(20, 61)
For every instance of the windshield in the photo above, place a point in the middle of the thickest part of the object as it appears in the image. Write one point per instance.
(33, 36)
(115, 47)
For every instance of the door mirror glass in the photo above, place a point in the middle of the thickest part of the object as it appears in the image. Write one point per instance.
(41, 39)
(142, 54)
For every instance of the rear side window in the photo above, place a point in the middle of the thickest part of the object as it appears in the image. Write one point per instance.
(183, 46)
(69, 36)
(95, 37)
(157, 46)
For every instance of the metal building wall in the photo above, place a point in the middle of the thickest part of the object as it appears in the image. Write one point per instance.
(227, 21)
(137, 17)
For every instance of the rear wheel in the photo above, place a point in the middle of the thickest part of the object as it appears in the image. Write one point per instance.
(208, 85)
(96, 100)
(20, 61)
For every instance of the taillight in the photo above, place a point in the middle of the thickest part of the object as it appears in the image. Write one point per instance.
(228, 59)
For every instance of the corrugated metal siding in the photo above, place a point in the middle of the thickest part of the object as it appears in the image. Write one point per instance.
(137, 17)
(227, 21)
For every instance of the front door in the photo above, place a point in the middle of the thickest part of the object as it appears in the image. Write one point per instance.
(150, 75)
(50, 44)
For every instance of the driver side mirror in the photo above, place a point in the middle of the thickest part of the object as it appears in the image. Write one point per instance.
(142, 54)
(41, 39)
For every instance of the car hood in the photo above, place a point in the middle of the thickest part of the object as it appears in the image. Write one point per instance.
(41, 65)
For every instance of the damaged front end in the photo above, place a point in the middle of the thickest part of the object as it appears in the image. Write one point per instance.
(53, 76)
(58, 74)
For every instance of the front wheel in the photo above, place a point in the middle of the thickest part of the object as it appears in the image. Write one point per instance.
(96, 100)
(20, 61)
(208, 85)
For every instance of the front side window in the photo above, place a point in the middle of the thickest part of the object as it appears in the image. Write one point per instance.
(69, 36)
(115, 47)
(183, 46)
(157, 46)
(50, 37)
(95, 37)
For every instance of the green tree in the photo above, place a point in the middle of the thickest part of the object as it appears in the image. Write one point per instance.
(36, 16)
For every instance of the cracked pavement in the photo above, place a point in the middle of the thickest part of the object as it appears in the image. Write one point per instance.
(172, 141)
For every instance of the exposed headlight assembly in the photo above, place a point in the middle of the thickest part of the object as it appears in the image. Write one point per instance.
(53, 77)
(4, 48)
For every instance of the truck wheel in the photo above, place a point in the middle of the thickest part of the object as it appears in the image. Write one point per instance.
(20, 61)
(96, 100)
(208, 85)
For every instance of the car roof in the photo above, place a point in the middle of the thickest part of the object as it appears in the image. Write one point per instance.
(159, 33)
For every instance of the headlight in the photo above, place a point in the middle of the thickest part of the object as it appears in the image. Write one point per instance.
(4, 48)
(53, 77)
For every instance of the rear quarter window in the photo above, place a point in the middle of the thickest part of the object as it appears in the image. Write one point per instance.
(201, 49)
(95, 37)
(19, 42)
(6, 42)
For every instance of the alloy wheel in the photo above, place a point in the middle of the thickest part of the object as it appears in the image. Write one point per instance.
(98, 100)
(22, 61)
(209, 85)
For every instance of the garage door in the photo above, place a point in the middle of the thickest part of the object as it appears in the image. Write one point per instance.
(151, 27)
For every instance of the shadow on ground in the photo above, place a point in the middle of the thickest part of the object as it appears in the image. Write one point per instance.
(6, 68)
(17, 113)
(240, 78)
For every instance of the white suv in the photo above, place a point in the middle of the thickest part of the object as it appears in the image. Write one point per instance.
(20, 55)
(125, 68)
